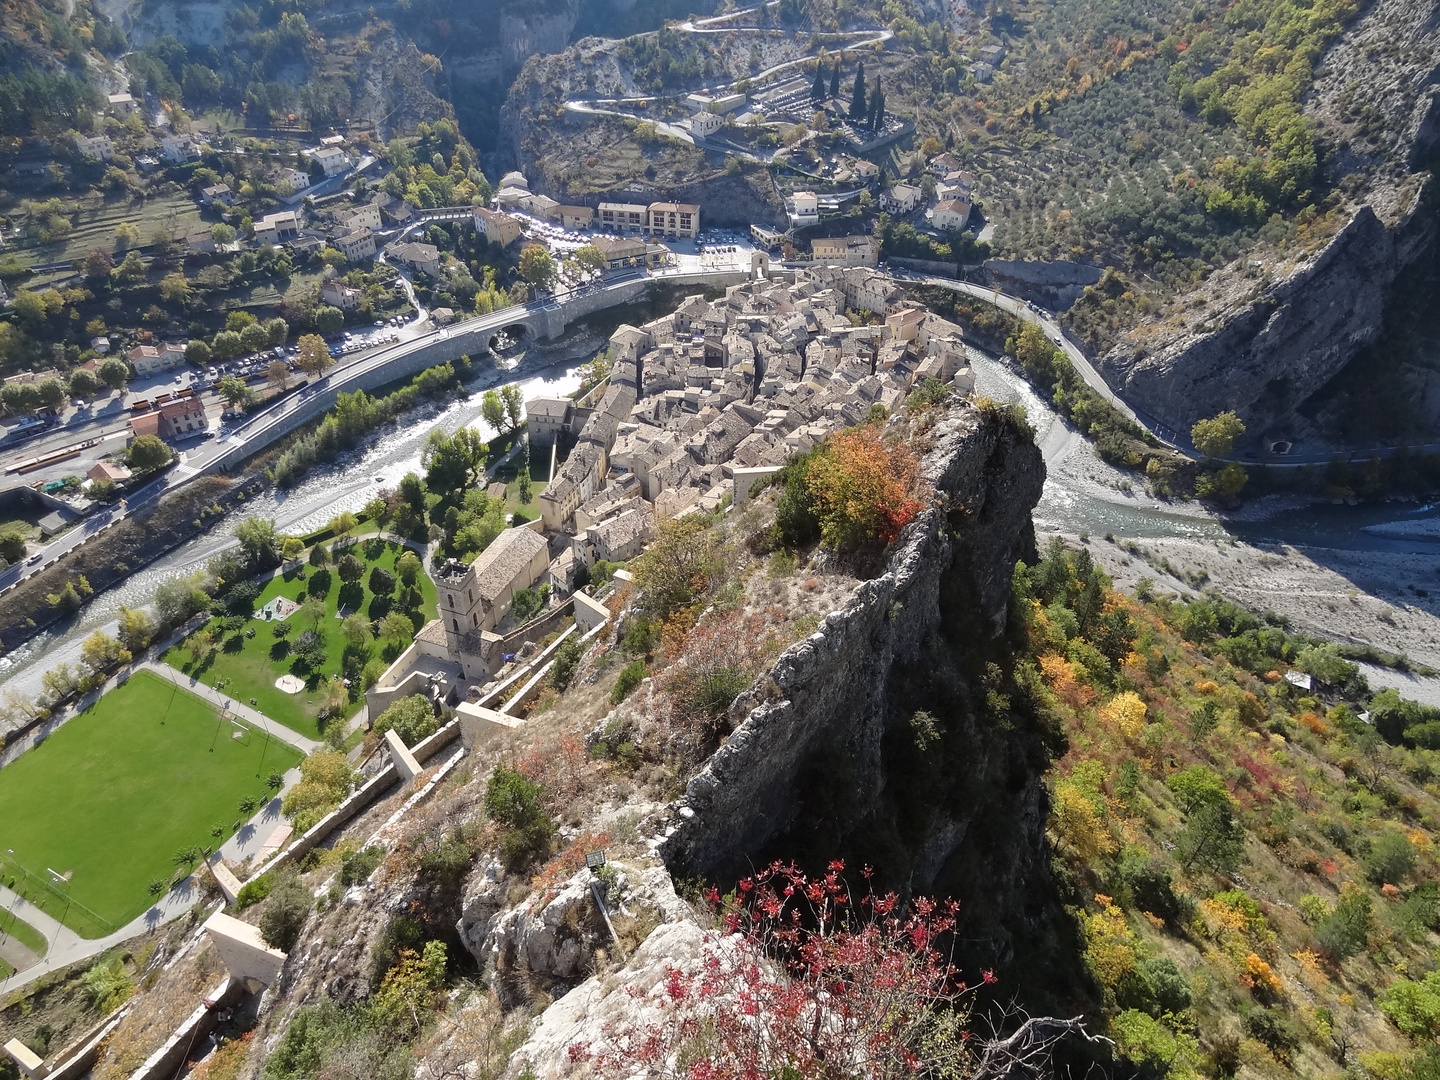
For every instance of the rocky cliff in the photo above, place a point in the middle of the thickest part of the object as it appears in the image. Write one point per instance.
(1278, 326)
(1279, 340)
(896, 735)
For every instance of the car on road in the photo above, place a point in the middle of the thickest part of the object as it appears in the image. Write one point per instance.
(35, 558)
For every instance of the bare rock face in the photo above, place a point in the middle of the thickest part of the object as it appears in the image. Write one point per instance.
(481, 904)
(631, 997)
(1377, 111)
(1279, 345)
(546, 939)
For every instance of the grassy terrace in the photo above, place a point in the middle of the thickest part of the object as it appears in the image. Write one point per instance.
(246, 662)
(113, 795)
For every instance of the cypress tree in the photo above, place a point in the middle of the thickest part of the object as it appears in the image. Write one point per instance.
(817, 88)
(835, 81)
(857, 94)
(876, 104)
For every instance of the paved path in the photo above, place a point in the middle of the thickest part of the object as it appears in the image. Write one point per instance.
(223, 701)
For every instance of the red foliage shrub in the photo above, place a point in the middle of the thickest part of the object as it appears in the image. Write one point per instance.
(803, 984)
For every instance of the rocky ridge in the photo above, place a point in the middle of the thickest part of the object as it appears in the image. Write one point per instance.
(1287, 326)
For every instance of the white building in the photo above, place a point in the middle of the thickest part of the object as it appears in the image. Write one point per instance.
(356, 244)
(704, 124)
(330, 158)
(952, 215)
(902, 198)
(804, 208)
(96, 146)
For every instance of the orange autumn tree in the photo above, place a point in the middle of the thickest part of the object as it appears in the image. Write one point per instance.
(853, 490)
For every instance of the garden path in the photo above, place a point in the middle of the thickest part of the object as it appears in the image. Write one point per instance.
(251, 716)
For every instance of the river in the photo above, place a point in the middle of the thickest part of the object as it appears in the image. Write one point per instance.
(347, 484)
(1065, 506)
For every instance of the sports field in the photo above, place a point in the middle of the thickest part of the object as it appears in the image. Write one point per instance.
(110, 798)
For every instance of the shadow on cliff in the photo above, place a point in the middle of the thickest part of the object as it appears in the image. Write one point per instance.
(898, 737)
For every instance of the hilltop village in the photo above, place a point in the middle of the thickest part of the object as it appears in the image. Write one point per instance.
(701, 405)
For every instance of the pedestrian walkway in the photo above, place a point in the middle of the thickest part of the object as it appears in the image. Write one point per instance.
(253, 717)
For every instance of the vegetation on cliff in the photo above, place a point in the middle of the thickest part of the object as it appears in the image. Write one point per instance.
(1251, 861)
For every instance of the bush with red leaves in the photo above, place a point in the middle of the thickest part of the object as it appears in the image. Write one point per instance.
(803, 982)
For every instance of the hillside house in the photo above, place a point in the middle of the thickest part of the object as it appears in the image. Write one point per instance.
(150, 360)
(844, 250)
(498, 228)
(356, 244)
(951, 215)
(331, 159)
(421, 258)
(339, 295)
(902, 198)
(95, 146)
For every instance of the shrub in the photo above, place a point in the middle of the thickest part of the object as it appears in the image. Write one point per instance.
(252, 892)
(106, 984)
(284, 913)
(1345, 930)
(567, 658)
(517, 805)
(412, 718)
(1389, 858)
(857, 489)
(325, 779)
(357, 866)
(631, 676)
(1414, 1007)
(865, 987)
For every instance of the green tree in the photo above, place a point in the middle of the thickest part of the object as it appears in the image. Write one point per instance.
(197, 353)
(234, 391)
(591, 258)
(52, 392)
(412, 718)
(222, 234)
(1216, 436)
(135, 629)
(492, 409)
(83, 383)
(1212, 839)
(314, 355)
(328, 319)
(537, 266)
(349, 569)
(115, 373)
(514, 401)
(453, 463)
(254, 338)
(857, 94)
(1389, 859)
(12, 544)
(259, 541)
(277, 331)
(226, 345)
(146, 453)
(407, 568)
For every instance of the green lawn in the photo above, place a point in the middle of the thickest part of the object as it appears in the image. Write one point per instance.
(114, 794)
(249, 666)
(23, 932)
